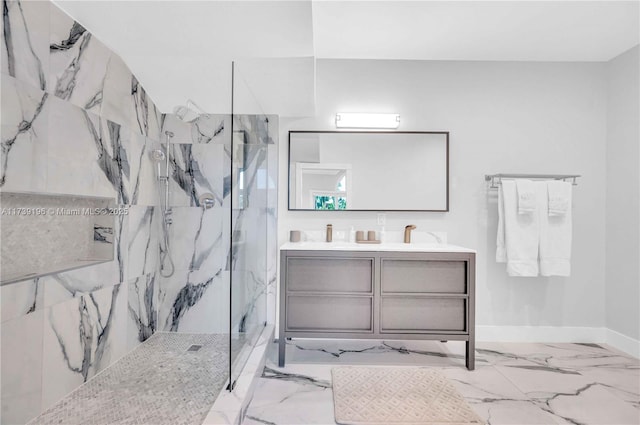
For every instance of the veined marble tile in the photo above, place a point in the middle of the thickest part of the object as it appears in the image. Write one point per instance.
(81, 337)
(196, 170)
(23, 152)
(248, 301)
(21, 367)
(181, 130)
(196, 238)
(293, 395)
(78, 63)
(570, 396)
(207, 129)
(521, 395)
(230, 405)
(194, 302)
(21, 298)
(590, 404)
(86, 154)
(117, 103)
(210, 128)
(146, 117)
(142, 308)
(64, 286)
(623, 382)
(142, 241)
(258, 129)
(141, 184)
(25, 41)
(424, 353)
(494, 398)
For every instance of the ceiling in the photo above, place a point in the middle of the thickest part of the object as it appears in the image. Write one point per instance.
(183, 49)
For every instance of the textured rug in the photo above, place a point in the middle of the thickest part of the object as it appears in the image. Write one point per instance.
(397, 395)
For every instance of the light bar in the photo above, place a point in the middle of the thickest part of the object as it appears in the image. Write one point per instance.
(362, 120)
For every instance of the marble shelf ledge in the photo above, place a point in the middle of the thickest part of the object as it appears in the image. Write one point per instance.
(392, 246)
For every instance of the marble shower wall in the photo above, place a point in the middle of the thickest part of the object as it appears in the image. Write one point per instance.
(75, 120)
(196, 297)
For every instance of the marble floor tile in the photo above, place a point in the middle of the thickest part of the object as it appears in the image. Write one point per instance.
(590, 404)
(513, 384)
(372, 352)
(290, 397)
(623, 383)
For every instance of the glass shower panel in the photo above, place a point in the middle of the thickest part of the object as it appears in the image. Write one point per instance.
(249, 242)
(251, 187)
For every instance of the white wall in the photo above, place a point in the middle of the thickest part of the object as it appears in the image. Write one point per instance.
(623, 187)
(503, 117)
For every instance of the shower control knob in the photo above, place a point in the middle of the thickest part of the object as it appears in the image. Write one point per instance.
(207, 201)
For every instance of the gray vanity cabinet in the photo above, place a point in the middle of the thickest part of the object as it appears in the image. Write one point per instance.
(377, 295)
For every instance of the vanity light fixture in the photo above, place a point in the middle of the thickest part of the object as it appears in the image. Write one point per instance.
(363, 120)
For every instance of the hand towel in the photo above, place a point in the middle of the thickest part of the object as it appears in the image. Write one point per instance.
(555, 235)
(501, 253)
(559, 193)
(521, 235)
(526, 190)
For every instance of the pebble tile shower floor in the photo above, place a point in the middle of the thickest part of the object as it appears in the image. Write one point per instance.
(160, 382)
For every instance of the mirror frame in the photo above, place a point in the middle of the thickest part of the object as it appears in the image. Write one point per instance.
(445, 133)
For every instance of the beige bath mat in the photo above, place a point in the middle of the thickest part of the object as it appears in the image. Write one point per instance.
(397, 395)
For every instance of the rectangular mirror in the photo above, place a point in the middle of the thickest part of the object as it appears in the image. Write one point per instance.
(369, 170)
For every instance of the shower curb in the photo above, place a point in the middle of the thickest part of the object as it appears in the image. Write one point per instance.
(231, 406)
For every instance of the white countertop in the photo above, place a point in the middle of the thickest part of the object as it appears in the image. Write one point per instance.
(351, 246)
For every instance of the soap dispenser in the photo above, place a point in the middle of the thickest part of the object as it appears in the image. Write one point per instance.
(352, 235)
(382, 235)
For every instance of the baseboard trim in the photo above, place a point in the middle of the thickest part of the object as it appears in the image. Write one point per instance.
(623, 343)
(559, 334)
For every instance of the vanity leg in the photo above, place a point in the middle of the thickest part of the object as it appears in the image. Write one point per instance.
(282, 346)
(470, 354)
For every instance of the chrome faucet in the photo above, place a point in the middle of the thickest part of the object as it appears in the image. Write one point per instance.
(407, 232)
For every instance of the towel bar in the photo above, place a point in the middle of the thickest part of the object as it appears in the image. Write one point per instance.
(495, 179)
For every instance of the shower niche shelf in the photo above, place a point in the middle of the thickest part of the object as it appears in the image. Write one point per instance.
(44, 234)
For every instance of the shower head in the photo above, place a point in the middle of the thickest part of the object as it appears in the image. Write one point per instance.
(189, 112)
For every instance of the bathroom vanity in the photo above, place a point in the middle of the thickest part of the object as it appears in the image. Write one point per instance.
(387, 291)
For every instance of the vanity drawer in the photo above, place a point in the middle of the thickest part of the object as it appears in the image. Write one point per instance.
(329, 313)
(419, 314)
(423, 276)
(330, 274)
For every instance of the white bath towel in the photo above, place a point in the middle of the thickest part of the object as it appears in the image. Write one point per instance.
(555, 235)
(520, 235)
(501, 252)
(526, 190)
(559, 193)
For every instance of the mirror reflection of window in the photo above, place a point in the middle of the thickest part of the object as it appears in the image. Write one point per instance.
(342, 184)
(372, 170)
(329, 202)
